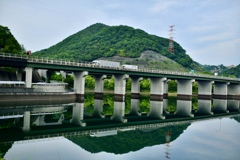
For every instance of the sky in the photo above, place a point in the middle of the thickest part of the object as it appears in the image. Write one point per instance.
(209, 30)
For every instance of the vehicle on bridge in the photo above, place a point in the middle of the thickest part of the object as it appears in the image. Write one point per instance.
(128, 66)
(106, 63)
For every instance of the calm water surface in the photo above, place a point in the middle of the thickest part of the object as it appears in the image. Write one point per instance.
(213, 138)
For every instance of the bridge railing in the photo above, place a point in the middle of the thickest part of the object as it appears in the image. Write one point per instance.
(89, 64)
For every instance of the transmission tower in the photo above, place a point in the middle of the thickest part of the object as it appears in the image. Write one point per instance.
(171, 33)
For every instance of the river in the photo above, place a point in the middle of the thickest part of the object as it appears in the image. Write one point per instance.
(52, 136)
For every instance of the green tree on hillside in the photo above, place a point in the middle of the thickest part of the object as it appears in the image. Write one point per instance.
(8, 43)
(100, 40)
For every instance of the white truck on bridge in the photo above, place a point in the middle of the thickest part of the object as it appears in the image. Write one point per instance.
(128, 66)
(106, 63)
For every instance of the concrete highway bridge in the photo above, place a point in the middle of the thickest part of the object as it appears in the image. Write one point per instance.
(224, 87)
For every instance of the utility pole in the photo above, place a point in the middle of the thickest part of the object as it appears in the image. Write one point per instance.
(171, 33)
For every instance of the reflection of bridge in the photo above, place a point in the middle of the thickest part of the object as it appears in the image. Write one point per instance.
(224, 88)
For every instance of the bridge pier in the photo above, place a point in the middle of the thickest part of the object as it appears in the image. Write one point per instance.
(184, 89)
(135, 87)
(205, 89)
(119, 112)
(79, 84)
(120, 87)
(26, 121)
(99, 86)
(28, 77)
(220, 90)
(77, 114)
(19, 74)
(165, 96)
(49, 72)
(64, 74)
(157, 88)
(233, 91)
(98, 95)
(156, 109)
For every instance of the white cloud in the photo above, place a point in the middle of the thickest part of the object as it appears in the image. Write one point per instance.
(160, 6)
(219, 53)
(215, 37)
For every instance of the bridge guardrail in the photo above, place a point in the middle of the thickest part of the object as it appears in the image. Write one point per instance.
(89, 64)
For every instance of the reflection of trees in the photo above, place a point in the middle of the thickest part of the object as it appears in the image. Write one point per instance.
(125, 142)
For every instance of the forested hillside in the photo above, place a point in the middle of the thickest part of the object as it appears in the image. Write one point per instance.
(8, 43)
(233, 71)
(100, 40)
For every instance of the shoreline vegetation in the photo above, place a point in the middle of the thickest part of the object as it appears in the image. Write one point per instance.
(171, 94)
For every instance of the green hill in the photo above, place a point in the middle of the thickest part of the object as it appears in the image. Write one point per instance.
(233, 71)
(8, 43)
(102, 41)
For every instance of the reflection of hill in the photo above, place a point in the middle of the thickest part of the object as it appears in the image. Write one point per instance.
(237, 118)
(125, 142)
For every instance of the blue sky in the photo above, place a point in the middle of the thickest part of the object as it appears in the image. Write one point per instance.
(209, 30)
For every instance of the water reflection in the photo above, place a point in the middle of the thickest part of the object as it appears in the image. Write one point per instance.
(119, 112)
(77, 114)
(184, 108)
(135, 107)
(188, 140)
(156, 109)
(120, 130)
(204, 106)
(220, 105)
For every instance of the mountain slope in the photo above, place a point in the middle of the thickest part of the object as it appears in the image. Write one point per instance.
(8, 43)
(233, 71)
(100, 40)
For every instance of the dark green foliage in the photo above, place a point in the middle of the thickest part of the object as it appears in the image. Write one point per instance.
(8, 43)
(100, 40)
(131, 141)
(145, 85)
(89, 82)
(69, 80)
(56, 77)
(233, 71)
(172, 86)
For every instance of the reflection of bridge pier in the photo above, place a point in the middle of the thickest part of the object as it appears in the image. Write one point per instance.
(77, 114)
(98, 108)
(26, 121)
(220, 97)
(220, 105)
(204, 106)
(233, 105)
(184, 97)
(204, 97)
(156, 109)
(135, 107)
(233, 95)
(184, 108)
(119, 112)
(135, 95)
(119, 98)
(156, 97)
(40, 121)
(98, 95)
(165, 96)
